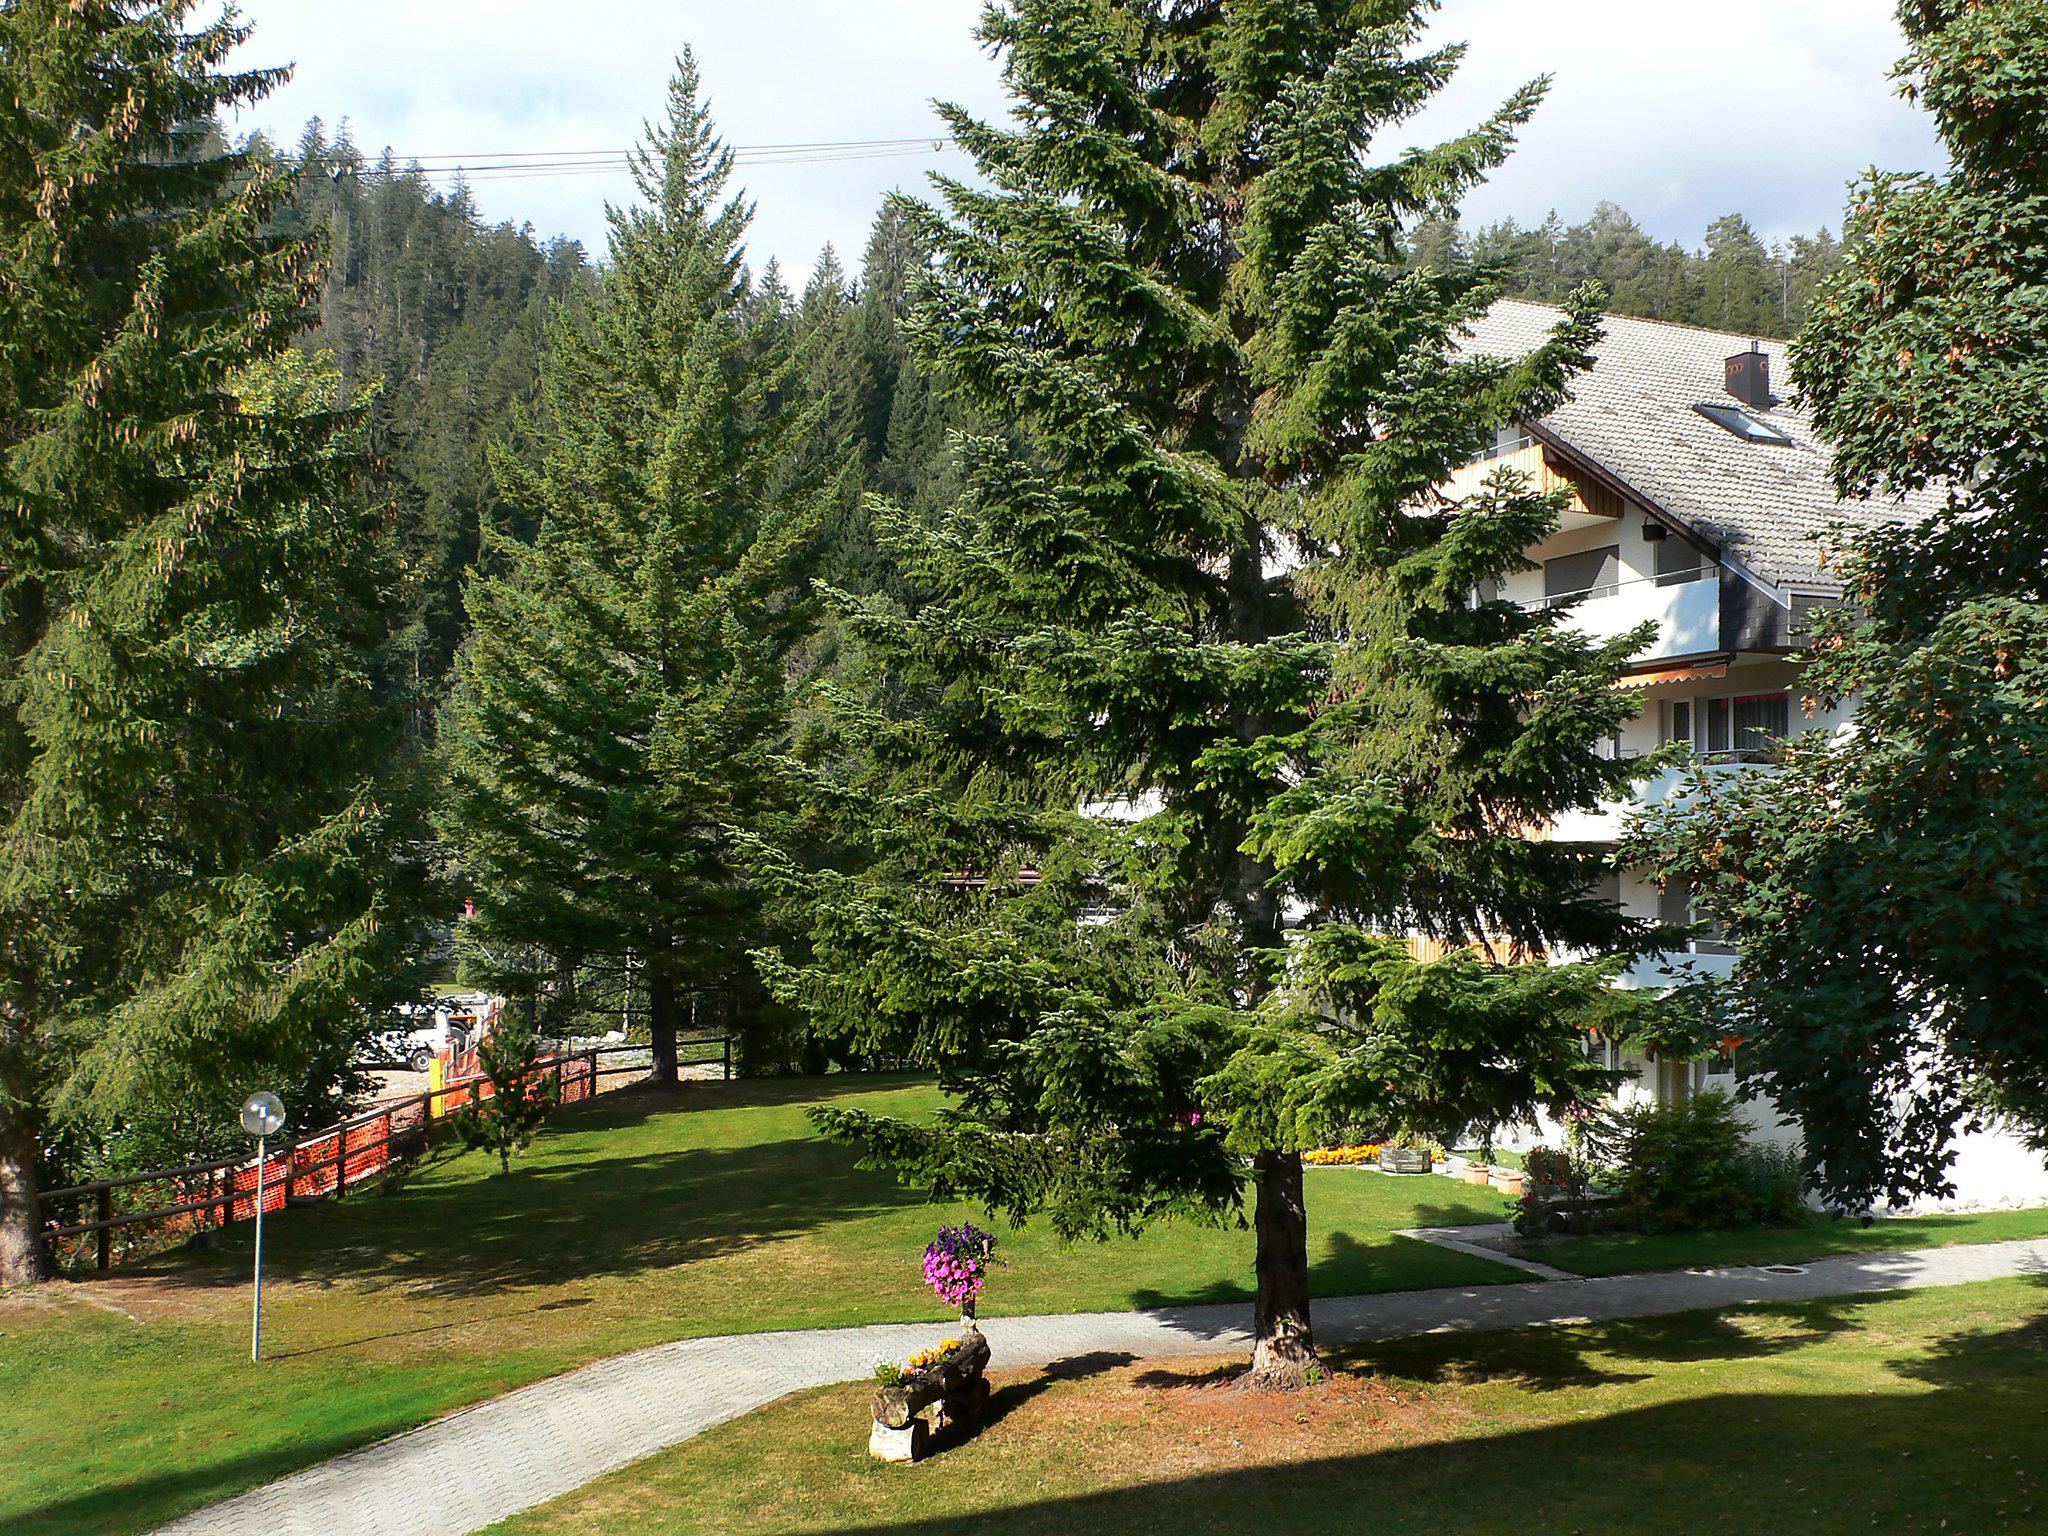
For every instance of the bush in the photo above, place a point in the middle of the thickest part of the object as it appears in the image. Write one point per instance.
(1556, 1197)
(1684, 1167)
(1774, 1186)
(1548, 1165)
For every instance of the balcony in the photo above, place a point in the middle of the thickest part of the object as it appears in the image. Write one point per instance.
(1687, 613)
(1656, 972)
(1669, 787)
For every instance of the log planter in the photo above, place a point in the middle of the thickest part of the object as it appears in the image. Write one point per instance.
(1403, 1160)
(951, 1394)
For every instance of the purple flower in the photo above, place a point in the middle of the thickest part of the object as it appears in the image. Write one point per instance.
(956, 1263)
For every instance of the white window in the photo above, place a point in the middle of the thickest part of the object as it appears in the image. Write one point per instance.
(1591, 573)
(1677, 908)
(1745, 727)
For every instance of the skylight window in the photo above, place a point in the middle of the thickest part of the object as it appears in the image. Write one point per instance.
(1744, 425)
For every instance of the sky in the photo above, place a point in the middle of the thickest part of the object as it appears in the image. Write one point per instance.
(1680, 113)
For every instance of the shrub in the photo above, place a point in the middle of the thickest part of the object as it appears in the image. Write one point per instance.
(1548, 1165)
(1684, 1166)
(1555, 1199)
(1774, 1185)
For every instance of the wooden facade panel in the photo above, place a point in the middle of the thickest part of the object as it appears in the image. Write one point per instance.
(1546, 471)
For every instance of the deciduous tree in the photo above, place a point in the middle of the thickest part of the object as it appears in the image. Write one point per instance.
(1889, 888)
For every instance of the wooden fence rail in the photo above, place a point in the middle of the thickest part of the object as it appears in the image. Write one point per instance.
(203, 1197)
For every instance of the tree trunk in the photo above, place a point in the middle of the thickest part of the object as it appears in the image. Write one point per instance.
(661, 1024)
(23, 1258)
(1283, 1346)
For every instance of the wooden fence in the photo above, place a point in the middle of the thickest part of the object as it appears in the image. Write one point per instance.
(138, 1208)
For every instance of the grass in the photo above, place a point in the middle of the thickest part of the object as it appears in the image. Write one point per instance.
(1916, 1412)
(1622, 1252)
(636, 1219)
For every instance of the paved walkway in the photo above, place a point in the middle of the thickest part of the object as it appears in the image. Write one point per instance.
(466, 1471)
(1462, 1240)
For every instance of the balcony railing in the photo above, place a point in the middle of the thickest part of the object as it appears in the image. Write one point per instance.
(1672, 786)
(1687, 613)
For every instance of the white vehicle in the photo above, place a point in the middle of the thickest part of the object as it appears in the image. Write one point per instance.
(414, 1035)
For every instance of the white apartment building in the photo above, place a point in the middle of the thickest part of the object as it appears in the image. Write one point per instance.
(1696, 498)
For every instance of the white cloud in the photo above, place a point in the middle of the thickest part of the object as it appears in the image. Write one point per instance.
(459, 77)
(1682, 112)
(1678, 112)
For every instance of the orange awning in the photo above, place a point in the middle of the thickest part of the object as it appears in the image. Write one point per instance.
(1673, 675)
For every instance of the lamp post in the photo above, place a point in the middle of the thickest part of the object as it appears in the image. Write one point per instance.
(262, 1117)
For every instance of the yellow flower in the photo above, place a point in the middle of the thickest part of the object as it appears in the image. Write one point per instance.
(947, 1346)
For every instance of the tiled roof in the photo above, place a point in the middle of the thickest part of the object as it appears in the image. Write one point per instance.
(1632, 414)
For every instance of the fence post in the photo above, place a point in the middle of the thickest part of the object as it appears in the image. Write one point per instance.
(104, 1249)
(728, 1058)
(340, 1159)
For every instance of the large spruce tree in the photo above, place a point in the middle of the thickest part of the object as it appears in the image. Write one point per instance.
(1198, 705)
(208, 851)
(622, 696)
(1889, 888)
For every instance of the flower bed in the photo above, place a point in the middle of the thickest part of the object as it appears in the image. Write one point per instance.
(1343, 1157)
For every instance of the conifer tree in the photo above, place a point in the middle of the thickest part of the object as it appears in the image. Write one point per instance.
(210, 876)
(620, 702)
(1739, 291)
(1197, 702)
(521, 1096)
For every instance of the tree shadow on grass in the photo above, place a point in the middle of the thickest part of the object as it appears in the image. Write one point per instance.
(429, 1223)
(1552, 1357)
(642, 1099)
(567, 1222)
(1961, 1456)
(1008, 1398)
(144, 1502)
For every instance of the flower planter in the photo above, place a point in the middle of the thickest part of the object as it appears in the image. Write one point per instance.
(1403, 1160)
(951, 1392)
(1478, 1174)
(1509, 1181)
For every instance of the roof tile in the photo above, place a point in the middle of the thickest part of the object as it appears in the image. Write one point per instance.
(1767, 506)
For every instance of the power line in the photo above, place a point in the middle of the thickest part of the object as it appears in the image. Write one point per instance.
(520, 165)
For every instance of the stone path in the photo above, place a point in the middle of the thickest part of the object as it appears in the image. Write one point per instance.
(463, 1472)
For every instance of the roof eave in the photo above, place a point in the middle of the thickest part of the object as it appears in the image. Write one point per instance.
(1704, 543)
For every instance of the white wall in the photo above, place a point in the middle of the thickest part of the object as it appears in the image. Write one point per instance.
(1992, 1170)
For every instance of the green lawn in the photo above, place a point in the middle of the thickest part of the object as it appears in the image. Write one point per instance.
(1917, 1412)
(634, 1220)
(1622, 1252)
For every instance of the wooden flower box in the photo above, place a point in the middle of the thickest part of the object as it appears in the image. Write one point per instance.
(914, 1410)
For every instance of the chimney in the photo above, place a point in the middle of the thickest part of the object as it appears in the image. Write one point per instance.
(1749, 377)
